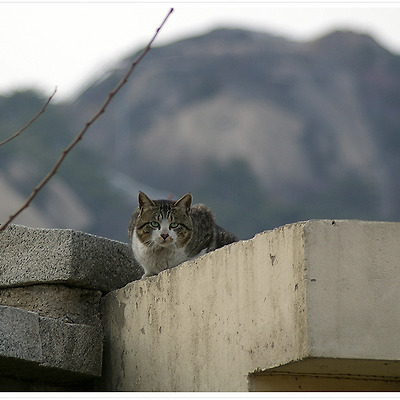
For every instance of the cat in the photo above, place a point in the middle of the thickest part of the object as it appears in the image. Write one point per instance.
(165, 233)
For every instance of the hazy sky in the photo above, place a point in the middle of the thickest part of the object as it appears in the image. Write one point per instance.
(44, 45)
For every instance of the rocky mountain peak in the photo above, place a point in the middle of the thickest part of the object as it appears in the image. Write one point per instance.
(297, 130)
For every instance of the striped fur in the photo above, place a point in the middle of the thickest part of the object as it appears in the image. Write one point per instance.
(165, 233)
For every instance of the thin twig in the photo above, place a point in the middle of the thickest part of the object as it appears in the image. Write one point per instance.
(31, 121)
(101, 110)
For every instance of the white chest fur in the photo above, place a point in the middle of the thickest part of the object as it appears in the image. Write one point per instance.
(155, 259)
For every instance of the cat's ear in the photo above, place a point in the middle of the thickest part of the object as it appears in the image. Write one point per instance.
(144, 201)
(184, 201)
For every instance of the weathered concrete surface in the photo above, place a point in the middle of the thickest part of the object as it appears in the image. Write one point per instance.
(66, 303)
(34, 347)
(353, 294)
(38, 256)
(316, 290)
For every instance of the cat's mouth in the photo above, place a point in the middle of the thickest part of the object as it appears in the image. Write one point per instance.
(165, 240)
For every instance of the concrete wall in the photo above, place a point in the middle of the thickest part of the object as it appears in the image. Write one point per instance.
(308, 306)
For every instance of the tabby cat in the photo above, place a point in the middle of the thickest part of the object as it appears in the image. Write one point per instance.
(165, 233)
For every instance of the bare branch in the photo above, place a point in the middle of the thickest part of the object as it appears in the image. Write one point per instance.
(101, 110)
(31, 121)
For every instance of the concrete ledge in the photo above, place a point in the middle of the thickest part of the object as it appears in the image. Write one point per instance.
(34, 347)
(65, 303)
(39, 256)
(308, 300)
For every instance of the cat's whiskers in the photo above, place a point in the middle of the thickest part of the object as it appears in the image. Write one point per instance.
(149, 242)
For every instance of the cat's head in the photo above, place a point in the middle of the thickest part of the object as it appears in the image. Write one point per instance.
(164, 222)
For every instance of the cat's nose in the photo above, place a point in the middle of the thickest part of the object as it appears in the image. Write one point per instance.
(164, 236)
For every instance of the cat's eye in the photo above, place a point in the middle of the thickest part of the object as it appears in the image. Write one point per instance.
(173, 225)
(154, 224)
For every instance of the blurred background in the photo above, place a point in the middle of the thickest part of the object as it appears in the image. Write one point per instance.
(268, 114)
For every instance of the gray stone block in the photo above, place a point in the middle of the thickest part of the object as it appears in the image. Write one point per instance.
(34, 347)
(71, 347)
(19, 334)
(33, 256)
(66, 303)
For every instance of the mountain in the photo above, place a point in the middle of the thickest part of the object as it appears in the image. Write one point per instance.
(263, 129)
